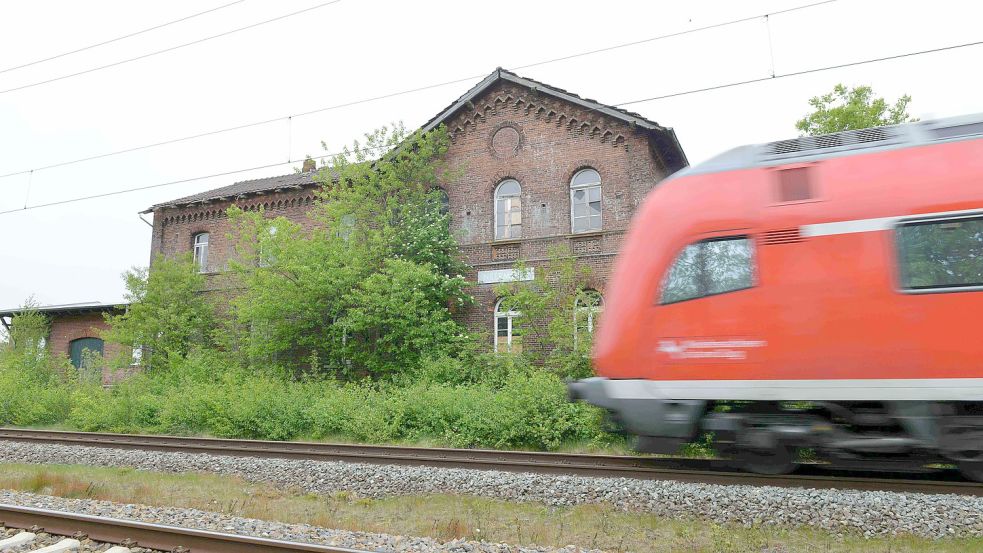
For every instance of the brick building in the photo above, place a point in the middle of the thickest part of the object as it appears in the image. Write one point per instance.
(78, 327)
(540, 166)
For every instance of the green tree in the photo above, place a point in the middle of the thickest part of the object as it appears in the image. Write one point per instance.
(167, 314)
(25, 347)
(367, 291)
(846, 109)
(558, 311)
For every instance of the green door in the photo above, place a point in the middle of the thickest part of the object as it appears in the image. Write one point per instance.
(75, 348)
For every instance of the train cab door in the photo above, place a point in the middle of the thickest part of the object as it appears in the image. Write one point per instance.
(705, 324)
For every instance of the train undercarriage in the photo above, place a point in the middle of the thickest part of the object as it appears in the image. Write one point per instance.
(770, 437)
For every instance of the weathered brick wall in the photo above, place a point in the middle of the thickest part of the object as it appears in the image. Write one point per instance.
(555, 140)
(66, 328)
(175, 227)
(552, 140)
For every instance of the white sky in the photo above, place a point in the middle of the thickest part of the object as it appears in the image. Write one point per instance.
(363, 48)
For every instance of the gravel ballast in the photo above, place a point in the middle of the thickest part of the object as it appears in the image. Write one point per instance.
(866, 512)
(43, 539)
(216, 522)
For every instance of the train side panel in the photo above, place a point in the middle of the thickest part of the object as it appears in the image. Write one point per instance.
(826, 317)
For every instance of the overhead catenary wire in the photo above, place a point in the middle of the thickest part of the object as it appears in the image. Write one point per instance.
(804, 72)
(181, 181)
(170, 49)
(119, 38)
(652, 98)
(413, 90)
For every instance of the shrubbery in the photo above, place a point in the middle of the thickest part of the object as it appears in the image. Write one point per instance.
(341, 332)
(518, 407)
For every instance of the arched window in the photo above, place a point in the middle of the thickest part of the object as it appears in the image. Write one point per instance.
(440, 195)
(200, 242)
(508, 210)
(77, 349)
(585, 201)
(507, 337)
(587, 309)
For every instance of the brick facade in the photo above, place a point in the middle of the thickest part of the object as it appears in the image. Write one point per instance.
(505, 128)
(556, 140)
(176, 227)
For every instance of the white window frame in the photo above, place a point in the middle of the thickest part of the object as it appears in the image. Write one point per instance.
(509, 234)
(592, 312)
(586, 187)
(510, 315)
(200, 248)
(136, 356)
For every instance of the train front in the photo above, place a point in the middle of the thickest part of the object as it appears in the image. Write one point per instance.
(622, 386)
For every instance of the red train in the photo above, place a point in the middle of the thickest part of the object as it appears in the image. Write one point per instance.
(822, 292)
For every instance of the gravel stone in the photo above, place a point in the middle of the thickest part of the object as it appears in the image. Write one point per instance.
(868, 513)
(43, 539)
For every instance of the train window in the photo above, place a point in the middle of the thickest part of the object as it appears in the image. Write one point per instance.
(941, 253)
(709, 267)
(683, 280)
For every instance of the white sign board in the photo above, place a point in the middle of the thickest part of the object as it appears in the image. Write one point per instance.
(505, 275)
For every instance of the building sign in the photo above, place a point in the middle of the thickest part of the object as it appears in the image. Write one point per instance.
(498, 276)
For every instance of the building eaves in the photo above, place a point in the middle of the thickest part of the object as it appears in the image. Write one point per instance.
(66, 309)
(243, 188)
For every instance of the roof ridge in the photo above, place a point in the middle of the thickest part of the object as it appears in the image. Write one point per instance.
(664, 136)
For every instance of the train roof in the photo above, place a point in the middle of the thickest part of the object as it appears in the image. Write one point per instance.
(812, 148)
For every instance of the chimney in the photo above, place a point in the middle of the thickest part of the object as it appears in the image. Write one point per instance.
(309, 165)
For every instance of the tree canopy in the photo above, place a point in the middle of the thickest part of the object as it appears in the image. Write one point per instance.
(366, 291)
(167, 314)
(846, 109)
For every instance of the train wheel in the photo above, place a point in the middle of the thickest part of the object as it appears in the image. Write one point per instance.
(971, 470)
(773, 462)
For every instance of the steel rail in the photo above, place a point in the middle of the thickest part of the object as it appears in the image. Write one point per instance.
(706, 471)
(149, 535)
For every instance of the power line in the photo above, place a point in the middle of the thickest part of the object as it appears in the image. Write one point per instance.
(805, 72)
(683, 93)
(162, 184)
(117, 39)
(171, 49)
(676, 34)
(409, 91)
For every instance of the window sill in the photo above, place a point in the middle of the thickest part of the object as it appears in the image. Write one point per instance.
(587, 234)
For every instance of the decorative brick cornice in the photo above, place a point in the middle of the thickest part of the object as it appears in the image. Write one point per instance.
(191, 215)
(577, 121)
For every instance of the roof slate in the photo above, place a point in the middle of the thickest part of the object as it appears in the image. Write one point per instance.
(244, 188)
(664, 137)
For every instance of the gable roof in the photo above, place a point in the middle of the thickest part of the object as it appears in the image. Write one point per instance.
(243, 188)
(664, 139)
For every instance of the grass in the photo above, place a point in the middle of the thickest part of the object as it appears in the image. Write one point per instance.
(447, 517)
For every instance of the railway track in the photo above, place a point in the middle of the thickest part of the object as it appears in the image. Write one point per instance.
(708, 471)
(128, 533)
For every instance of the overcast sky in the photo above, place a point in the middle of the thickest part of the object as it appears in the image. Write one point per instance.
(356, 49)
